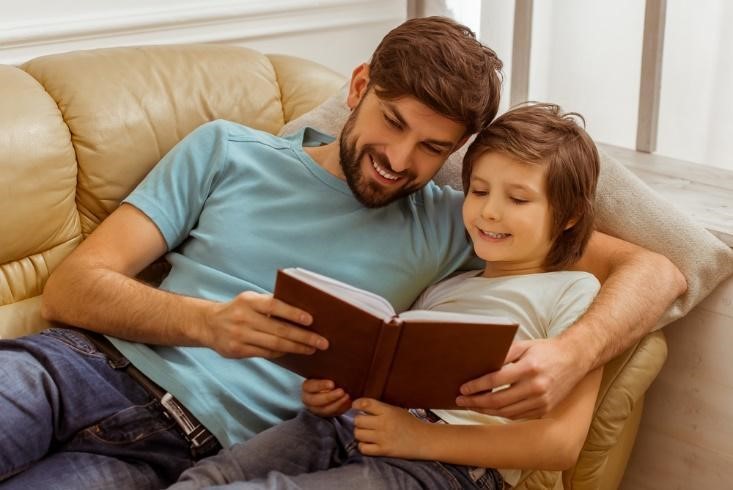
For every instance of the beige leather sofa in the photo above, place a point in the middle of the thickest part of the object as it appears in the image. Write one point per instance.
(79, 130)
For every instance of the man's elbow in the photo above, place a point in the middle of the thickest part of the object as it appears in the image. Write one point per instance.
(671, 274)
(49, 308)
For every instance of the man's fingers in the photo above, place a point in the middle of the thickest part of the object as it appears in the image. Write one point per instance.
(517, 405)
(279, 318)
(508, 374)
(294, 334)
(270, 306)
(517, 350)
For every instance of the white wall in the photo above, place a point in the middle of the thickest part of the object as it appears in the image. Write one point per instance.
(338, 33)
(697, 76)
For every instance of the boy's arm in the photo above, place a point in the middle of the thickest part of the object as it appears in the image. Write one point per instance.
(551, 443)
(638, 286)
(94, 288)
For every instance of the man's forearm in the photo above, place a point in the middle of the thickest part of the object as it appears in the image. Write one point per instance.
(634, 296)
(112, 303)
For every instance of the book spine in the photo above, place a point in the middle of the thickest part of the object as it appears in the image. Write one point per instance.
(386, 347)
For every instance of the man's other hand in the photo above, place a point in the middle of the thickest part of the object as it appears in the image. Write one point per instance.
(540, 373)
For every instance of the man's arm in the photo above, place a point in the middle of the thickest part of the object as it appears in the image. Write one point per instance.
(637, 287)
(94, 288)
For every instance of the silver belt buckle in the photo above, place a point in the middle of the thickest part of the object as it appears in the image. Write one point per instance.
(192, 429)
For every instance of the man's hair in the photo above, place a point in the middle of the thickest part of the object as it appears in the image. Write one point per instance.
(540, 134)
(441, 64)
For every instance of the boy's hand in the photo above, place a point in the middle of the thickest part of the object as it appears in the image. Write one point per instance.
(321, 397)
(386, 430)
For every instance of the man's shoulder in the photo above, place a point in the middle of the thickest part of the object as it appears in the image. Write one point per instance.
(237, 132)
(432, 194)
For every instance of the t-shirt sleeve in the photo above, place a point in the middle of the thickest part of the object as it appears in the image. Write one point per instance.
(572, 302)
(173, 194)
(452, 248)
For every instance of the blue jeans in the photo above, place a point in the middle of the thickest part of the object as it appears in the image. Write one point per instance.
(70, 418)
(310, 452)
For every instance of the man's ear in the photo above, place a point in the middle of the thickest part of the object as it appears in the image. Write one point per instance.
(358, 85)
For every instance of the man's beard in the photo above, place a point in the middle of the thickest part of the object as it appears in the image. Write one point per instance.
(367, 192)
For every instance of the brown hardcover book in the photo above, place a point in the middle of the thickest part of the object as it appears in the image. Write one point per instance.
(417, 359)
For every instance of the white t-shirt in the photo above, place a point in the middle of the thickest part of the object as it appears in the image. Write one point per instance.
(543, 305)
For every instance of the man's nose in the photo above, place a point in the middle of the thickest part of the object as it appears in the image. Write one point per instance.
(400, 156)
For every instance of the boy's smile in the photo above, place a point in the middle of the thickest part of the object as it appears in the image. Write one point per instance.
(507, 215)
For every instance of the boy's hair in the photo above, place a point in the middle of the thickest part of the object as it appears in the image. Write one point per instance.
(539, 134)
(443, 65)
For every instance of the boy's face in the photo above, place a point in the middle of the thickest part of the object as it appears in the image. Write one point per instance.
(507, 215)
(390, 148)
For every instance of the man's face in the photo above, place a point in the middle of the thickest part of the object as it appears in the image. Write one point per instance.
(391, 148)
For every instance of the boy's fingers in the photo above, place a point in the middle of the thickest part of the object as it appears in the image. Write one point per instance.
(368, 405)
(366, 422)
(323, 398)
(318, 385)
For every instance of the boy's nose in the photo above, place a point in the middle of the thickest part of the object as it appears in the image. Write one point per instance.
(491, 210)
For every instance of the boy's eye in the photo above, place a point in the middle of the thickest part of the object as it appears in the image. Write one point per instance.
(479, 192)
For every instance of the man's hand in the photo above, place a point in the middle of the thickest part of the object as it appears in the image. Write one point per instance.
(321, 397)
(541, 374)
(386, 430)
(255, 324)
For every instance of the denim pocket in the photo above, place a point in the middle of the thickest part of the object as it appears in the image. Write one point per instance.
(74, 340)
(131, 425)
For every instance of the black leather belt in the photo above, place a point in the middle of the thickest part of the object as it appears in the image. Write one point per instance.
(201, 441)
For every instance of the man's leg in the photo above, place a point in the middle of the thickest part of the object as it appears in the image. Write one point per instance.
(59, 394)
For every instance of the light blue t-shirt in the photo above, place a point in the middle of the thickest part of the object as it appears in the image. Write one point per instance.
(235, 204)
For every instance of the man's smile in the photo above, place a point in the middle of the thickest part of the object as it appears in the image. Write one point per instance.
(387, 176)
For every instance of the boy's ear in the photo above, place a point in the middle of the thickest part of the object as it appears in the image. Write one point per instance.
(358, 85)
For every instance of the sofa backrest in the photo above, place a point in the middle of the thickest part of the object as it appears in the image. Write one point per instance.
(79, 130)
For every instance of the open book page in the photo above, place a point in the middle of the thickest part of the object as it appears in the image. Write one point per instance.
(365, 300)
(451, 317)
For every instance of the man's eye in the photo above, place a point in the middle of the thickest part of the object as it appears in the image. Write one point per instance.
(393, 122)
(432, 149)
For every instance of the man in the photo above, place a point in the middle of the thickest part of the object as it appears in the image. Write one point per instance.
(232, 205)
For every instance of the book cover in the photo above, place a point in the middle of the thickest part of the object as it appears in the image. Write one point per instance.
(418, 359)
